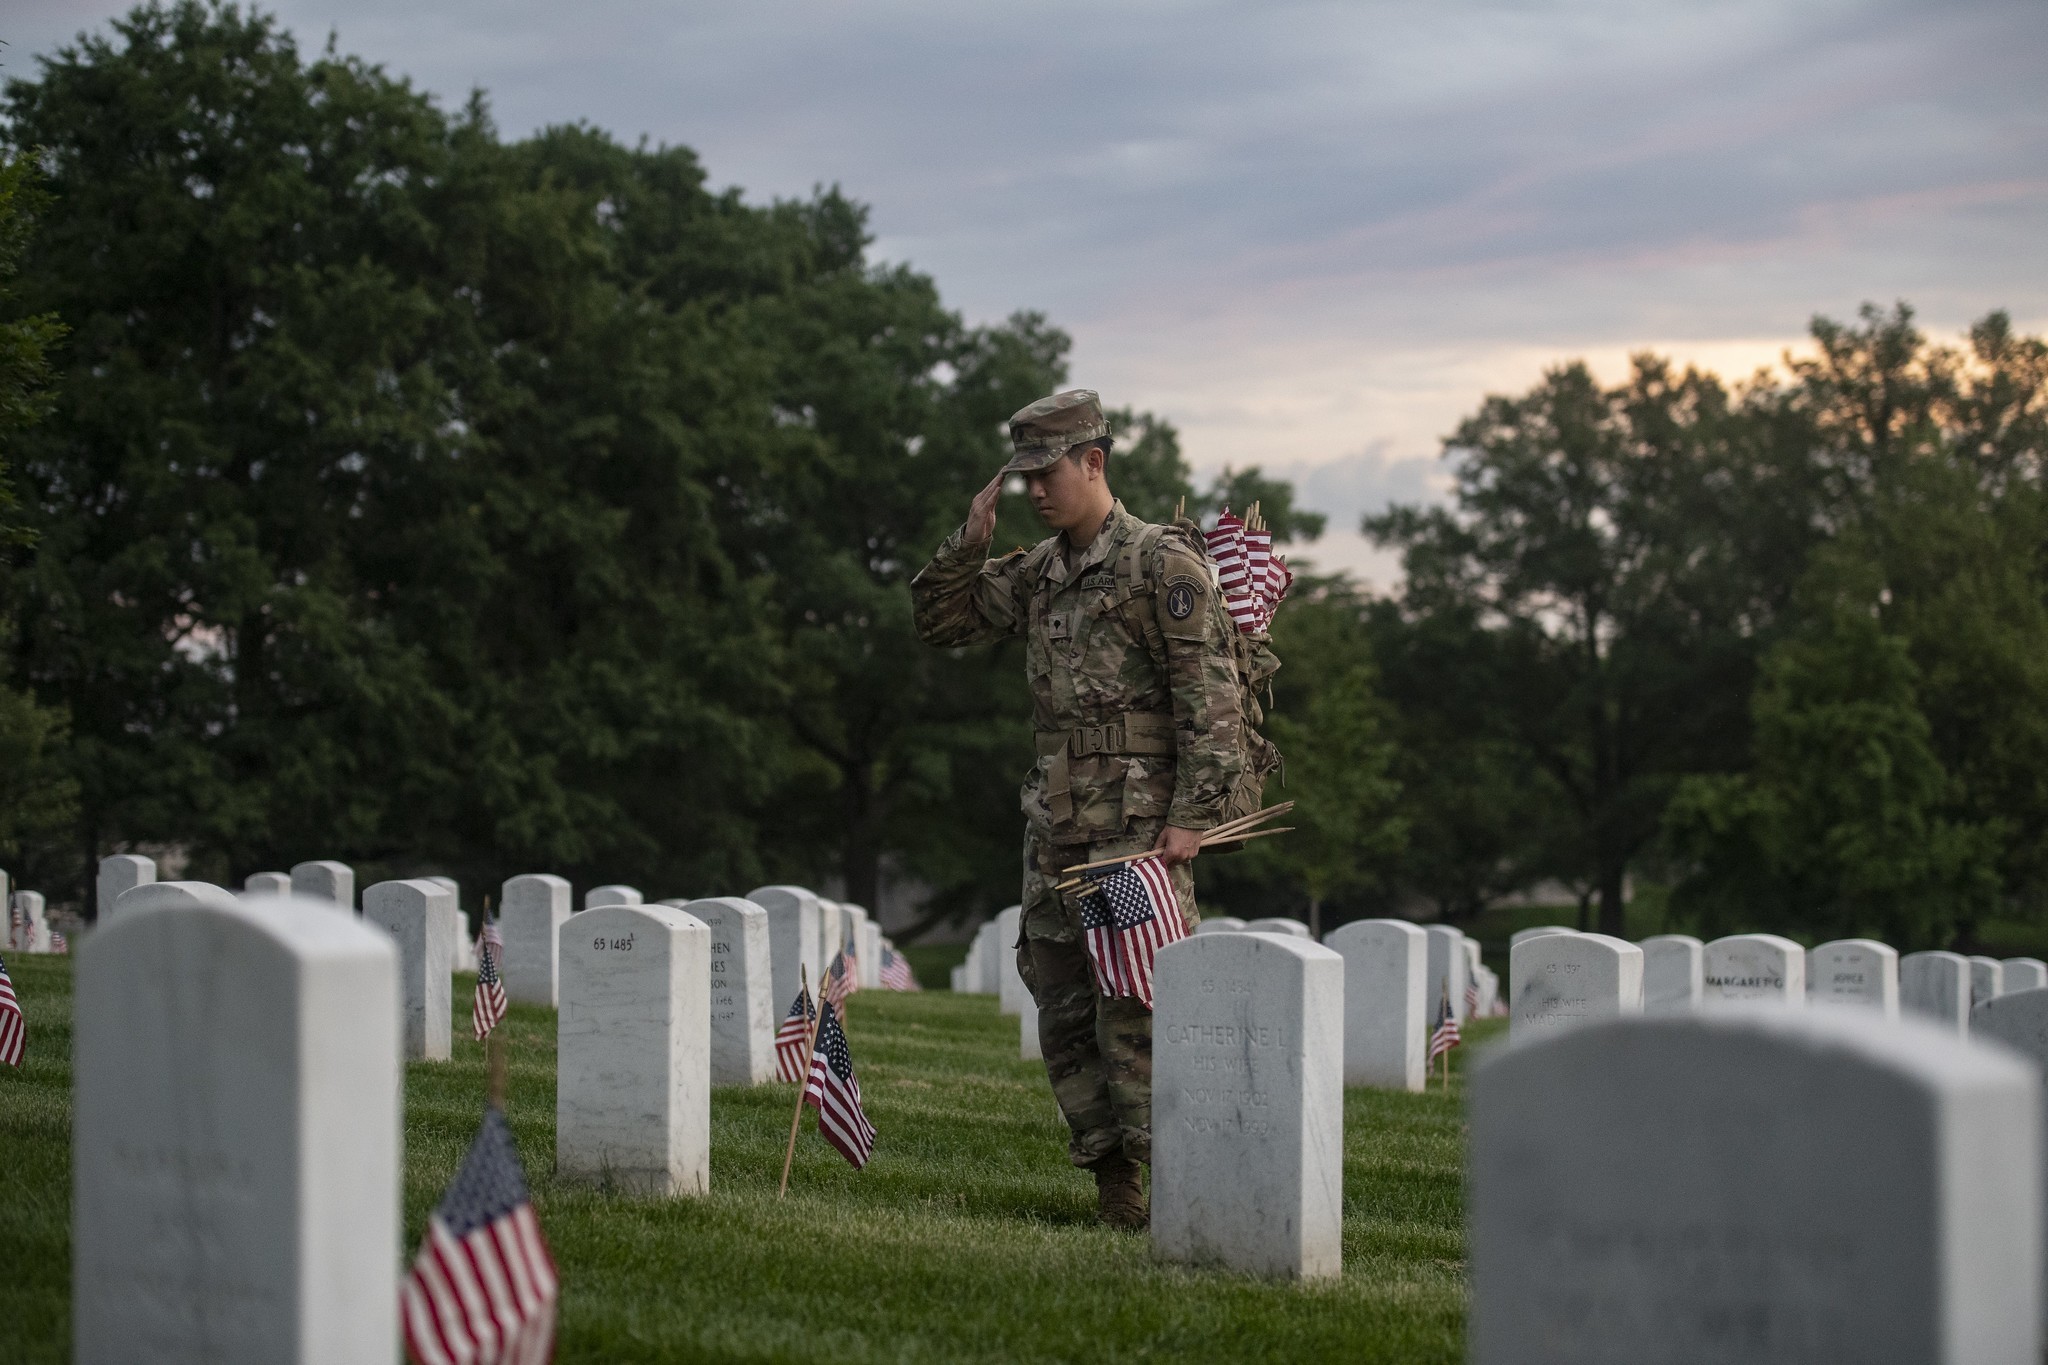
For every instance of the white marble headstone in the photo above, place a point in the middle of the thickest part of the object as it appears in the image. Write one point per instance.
(2024, 974)
(1521, 935)
(1447, 969)
(532, 908)
(1559, 982)
(1248, 1105)
(121, 872)
(235, 1139)
(1987, 980)
(1936, 986)
(165, 896)
(1763, 968)
(633, 1050)
(1277, 924)
(871, 955)
(31, 903)
(1010, 990)
(1028, 1048)
(462, 945)
(1220, 924)
(2019, 1020)
(420, 917)
(325, 880)
(612, 893)
(1674, 974)
(794, 942)
(1386, 1024)
(1854, 971)
(743, 1019)
(268, 884)
(1754, 1186)
(992, 953)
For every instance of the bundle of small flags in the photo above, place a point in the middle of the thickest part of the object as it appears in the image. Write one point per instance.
(489, 1006)
(1129, 915)
(482, 1290)
(13, 1028)
(1252, 579)
(834, 1091)
(896, 974)
(793, 1037)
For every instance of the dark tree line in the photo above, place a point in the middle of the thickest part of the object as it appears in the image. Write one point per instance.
(380, 488)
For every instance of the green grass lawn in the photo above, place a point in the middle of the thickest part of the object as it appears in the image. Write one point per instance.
(967, 1238)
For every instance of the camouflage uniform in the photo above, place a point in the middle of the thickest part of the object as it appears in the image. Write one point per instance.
(1136, 703)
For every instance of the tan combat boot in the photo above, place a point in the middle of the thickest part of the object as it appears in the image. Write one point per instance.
(1120, 1193)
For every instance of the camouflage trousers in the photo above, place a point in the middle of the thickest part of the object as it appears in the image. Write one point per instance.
(1098, 1051)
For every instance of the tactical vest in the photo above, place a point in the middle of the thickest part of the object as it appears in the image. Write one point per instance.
(1153, 733)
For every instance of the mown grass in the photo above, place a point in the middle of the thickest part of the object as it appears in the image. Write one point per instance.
(968, 1238)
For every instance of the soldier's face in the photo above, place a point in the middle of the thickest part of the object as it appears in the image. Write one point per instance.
(1068, 491)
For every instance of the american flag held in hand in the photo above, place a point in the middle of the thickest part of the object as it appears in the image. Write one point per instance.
(482, 1291)
(793, 1037)
(13, 1028)
(834, 1092)
(1131, 914)
(489, 1007)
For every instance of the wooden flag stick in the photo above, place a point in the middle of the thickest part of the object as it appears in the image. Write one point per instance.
(494, 1067)
(1223, 833)
(1070, 883)
(810, 1047)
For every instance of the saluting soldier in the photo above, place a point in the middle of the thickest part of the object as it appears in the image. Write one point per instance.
(1139, 703)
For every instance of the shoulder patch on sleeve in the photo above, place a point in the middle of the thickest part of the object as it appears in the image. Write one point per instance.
(1183, 595)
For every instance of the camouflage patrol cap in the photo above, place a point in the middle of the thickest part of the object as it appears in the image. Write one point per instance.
(1049, 428)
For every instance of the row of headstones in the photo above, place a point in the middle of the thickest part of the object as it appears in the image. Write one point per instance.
(1707, 1186)
(1560, 978)
(237, 1074)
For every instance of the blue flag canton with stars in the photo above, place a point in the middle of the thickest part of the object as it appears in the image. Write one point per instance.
(490, 1183)
(1095, 910)
(487, 967)
(1130, 903)
(832, 1045)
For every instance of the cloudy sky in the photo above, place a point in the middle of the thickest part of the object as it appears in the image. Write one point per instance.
(1313, 235)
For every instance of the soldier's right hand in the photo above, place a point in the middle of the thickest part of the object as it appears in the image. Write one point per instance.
(981, 514)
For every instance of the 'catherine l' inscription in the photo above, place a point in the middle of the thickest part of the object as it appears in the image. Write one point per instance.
(1248, 1104)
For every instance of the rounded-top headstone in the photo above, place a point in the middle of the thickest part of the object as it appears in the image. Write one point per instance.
(742, 1016)
(267, 884)
(235, 1137)
(1386, 1025)
(1220, 924)
(1277, 924)
(326, 880)
(420, 917)
(611, 894)
(2024, 974)
(1854, 971)
(1753, 1185)
(121, 872)
(1564, 981)
(794, 942)
(1936, 986)
(1763, 968)
(1987, 980)
(532, 908)
(633, 1050)
(1447, 968)
(1673, 973)
(1538, 931)
(1248, 1104)
(166, 896)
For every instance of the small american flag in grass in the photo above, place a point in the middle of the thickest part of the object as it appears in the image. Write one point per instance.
(1446, 1036)
(13, 1028)
(896, 973)
(792, 1038)
(1471, 1000)
(1130, 915)
(834, 1092)
(482, 1291)
(489, 1006)
(58, 943)
(838, 983)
